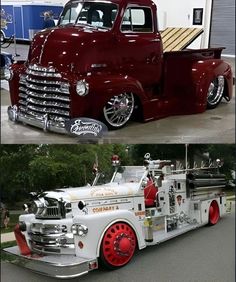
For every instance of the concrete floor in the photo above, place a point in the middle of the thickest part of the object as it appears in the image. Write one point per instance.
(213, 126)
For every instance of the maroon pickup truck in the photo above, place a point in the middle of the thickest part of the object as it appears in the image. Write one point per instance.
(105, 61)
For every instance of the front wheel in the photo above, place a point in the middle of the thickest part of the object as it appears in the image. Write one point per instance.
(3, 39)
(118, 245)
(118, 110)
(214, 213)
(215, 92)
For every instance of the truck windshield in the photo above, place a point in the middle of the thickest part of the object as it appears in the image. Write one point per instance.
(129, 174)
(98, 14)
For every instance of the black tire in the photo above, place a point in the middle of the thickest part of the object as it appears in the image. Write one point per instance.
(215, 92)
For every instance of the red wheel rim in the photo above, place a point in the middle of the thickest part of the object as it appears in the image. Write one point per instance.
(119, 244)
(214, 212)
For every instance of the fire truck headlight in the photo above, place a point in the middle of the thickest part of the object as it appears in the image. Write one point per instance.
(79, 229)
(82, 88)
(82, 230)
(34, 207)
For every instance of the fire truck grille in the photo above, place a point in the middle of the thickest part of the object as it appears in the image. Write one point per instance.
(49, 212)
(51, 209)
(49, 238)
(42, 92)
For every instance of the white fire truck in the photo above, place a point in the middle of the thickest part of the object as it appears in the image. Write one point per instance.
(72, 231)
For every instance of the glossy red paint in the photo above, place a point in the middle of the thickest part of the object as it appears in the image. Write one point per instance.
(163, 84)
(214, 213)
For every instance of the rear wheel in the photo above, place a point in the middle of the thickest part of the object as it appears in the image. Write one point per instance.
(118, 245)
(214, 213)
(215, 92)
(118, 110)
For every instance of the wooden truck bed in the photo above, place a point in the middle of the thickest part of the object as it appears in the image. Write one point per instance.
(177, 39)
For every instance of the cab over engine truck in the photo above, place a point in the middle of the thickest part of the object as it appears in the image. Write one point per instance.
(72, 231)
(105, 61)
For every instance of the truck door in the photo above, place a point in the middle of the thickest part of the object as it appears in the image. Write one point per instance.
(140, 46)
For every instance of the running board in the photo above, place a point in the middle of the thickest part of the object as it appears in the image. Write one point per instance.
(162, 236)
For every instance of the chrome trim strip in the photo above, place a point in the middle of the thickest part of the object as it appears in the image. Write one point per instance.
(47, 103)
(48, 96)
(23, 102)
(47, 89)
(54, 245)
(63, 266)
(23, 95)
(46, 110)
(43, 74)
(22, 89)
(56, 82)
(40, 68)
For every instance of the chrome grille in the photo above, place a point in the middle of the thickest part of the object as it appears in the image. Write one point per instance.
(50, 208)
(53, 211)
(50, 238)
(49, 212)
(42, 93)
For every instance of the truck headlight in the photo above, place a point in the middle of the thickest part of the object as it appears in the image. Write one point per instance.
(79, 229)
(82, 88)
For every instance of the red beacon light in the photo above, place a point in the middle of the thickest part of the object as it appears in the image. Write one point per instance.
(115, 160)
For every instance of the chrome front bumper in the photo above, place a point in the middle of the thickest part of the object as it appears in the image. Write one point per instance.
(59, 266)
(43, 122)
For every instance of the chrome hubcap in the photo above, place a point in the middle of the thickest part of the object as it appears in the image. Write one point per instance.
(215, 90)
(2, 38)
(119, 109)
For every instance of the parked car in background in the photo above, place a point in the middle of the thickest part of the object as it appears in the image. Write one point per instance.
(6, 61)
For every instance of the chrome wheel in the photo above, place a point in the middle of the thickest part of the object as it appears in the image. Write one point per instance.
(118, 110)
(215, 92)
(2, 37)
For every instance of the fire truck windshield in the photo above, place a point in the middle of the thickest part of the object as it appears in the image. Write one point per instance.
(129, 174)
(97, 14)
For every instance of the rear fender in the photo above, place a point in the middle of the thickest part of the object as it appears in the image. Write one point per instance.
(203, 72)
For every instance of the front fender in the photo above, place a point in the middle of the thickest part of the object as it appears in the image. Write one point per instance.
(203, 72)
(103, 87)
(98, 224)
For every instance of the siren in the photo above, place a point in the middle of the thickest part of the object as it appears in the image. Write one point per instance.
(115, 160)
